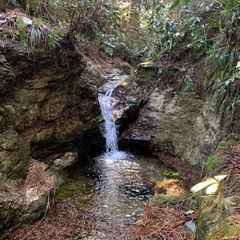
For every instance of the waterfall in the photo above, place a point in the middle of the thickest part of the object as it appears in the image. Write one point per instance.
(107, 103)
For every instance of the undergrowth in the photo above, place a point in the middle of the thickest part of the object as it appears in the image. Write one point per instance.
(203, 29)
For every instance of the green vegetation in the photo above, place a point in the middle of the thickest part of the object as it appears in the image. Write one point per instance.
(170, 172)
(204, 29)
(216, 158)
(207, 29)
(211, 163)
(66, 23)
(79, 192)
(213, 209)
(82, 237)
(68, 188)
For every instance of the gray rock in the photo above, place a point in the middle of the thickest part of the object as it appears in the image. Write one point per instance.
(183, 125)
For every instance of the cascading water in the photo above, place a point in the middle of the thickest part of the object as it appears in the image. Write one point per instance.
(107, 104)
(110, 130)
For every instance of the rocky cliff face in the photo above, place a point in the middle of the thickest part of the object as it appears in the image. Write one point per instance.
(45, 104)
(47, 100)
(182, 125)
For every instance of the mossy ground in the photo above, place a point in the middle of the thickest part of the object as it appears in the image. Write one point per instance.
(68, 188)
(79, 191)
(170, 172)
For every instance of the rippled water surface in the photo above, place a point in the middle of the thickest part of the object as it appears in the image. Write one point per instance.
(117, 185)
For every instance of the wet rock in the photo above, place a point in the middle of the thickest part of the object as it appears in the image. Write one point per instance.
(67, 160)
(136, 186)
(126, 100)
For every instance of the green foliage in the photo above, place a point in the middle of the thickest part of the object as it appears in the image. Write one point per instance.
(211, 163)
(170, 172)
(213, 211)
(82, 237)
(90, 20)
(93, 19)
(187, 83)
(22, 32)
(162, 28)
(213, 207)
(38, 35)
(203, 29)
(226, 89)
(170, 28)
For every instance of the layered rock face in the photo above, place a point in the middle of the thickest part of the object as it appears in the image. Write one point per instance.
(46, 102)
(182, 125)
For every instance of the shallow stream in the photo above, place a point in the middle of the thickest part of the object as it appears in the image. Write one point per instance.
(115, 185)
(115, 188)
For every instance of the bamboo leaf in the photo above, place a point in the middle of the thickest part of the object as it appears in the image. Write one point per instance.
(220, 177)
(212, 188)
(198, 187)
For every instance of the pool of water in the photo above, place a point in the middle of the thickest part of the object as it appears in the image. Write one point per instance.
(117, 186)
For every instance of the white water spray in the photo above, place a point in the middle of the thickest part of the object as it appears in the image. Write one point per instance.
(107, 103)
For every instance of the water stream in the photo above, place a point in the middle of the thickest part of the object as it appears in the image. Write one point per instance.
(117, 184)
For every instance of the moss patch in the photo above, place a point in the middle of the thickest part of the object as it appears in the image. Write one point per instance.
(80, 192)
(169, 172)
(213, 161)
(69, 188)
(225, 144)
